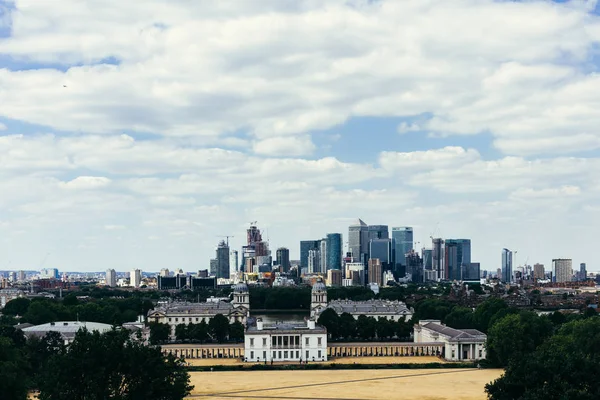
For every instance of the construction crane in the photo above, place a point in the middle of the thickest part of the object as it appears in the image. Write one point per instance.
(253, 223)
(226, 236)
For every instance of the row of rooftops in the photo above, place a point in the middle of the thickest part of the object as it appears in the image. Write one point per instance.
(376, 306)
(453, 335)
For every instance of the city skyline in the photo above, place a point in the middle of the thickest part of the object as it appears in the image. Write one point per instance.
(185, 122)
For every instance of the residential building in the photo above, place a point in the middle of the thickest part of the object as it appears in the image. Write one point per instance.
(282, 256)
(111, 278)
(334, 277)
(358, 241)
(562, 270)
(459, 344)
(438, 256)
(403, 243)
(507, 267)
(375, 271)
(305, 247)
(457, 258)
(49, 273)
(8, 294)
(285, 342)
(582, 272)
(222, 266)
(334, 251)
(135, 278)
(539, 272)
(234, 262)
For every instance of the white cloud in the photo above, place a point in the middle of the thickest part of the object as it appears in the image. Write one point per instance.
(429, 159)
(114, 227)
(285, 146)
(2, 127)
(86, 182)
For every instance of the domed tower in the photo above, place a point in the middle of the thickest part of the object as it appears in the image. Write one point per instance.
(318, 299)
(241, 296)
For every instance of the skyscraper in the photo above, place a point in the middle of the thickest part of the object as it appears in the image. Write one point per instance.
(135, 278)
(539, 272)
(378, 232)
(358, 241)
(562, 270)
(383, 250)
(507, 272)
(334, 251)
(323, 255)
(414, 266)
(457, 258)
(403, 238)
(582, 272)
(375, 271)
(234, 262)
(437, 255)
(222, 267)
(314, 261)
(283, 259)
(111, 278)
(305, 247)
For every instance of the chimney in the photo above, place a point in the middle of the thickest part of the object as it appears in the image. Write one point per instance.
(311, 324)
(259, 324)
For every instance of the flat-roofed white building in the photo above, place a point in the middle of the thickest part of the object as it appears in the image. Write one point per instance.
(285, 342)
(459, 344)
(67, 329)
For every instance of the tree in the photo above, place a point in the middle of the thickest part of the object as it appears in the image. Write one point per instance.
(16, 306)
(385, 328)
(432, 309)
(159, 333)
(347, 326)
(199, 332)
(112, 366)
(39, 351)
(71, 300)
(219, 327)
(365, 327)
(402, 329)
(330, 320)
(460, 318)
(236, 331)
(13, 371)
(515, 336)
(564, 367)
(181, 332)
(39, 312)
(485, 312)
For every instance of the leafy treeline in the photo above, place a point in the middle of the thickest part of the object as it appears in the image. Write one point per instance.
(94, 367)
(345, 327)
(217, 329)
(107, 310)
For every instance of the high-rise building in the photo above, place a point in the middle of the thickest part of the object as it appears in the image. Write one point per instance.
(507, 267)
(582, 272)
(383, 250)
(305, 247)
(334, 277)
(562, 270)
(356, 272)
(135, 278)
(164, 272)
(21, 276)
(375, 271)
(256, 250)
(214, 266)
(403, 238)
(414, 266)
(222, 260)
(111, 278)
(283, 259)
(437, 256)
(539, 272)
(473, 272)
(323, 255)
(314, 261)
(457, 258)
(378, 232)
(49, 273)
(334, 251)
(358, 241)
(234, 262)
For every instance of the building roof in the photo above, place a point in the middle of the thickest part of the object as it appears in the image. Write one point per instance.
(453, 335)
(369, 307)
(240, 288)
(189, 309)
(319, 286)
(67, 329)
(359, 222)
(285, 327)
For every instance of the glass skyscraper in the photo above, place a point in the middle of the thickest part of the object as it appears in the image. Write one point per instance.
(305, 247)
(334, 251)
(457, 258)
(506, 265)
(358, 241)
(403, 238)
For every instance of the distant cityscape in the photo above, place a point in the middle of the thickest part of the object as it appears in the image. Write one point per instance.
(373, 256)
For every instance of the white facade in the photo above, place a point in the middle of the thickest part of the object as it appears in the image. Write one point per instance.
(135, 278)
(285, 342)
(459, 344)
(111, 278)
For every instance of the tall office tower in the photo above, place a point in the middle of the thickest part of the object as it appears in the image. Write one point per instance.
(507, 267)
(437, 256)
(427, 255)
(378, 232)
(334, 251)
(233, 262)
(562, 270)
(334, 277)
(21, 276)
(356, 272)
(358, 241)
(323, 255)
(473, 272)
(164, 272)
(222, 260)
(403, 237)
(582, 272)
(314, 261)
(256, 248)
(539, 272)
(214, 266)
(383, 250)
(457, 258)
(283, 259)
(135, 278)
(375, 271)
(305, 247)
(414, 266)
(111, 278)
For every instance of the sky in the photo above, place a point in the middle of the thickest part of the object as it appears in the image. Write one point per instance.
(134, 133)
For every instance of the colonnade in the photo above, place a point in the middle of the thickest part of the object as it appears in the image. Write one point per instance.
(206, 352)
(382, 350)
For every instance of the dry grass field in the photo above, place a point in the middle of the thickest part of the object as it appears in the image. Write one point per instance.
(423, 384)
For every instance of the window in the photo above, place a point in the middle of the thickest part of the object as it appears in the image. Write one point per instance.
(480, 354)
(274, 354)
(307, 341)
(176, 319)
(319, 354)
(264, 355)
(285, 354)
(196, 319)
(251, 342)
(279, 353)
(453, 354)
(251, 355)
(297, 354)
(307, 354)
(170, 319)
(265, 342)
(319, 341)
(273, 340)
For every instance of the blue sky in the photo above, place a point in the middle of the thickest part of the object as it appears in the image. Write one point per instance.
(180, 122)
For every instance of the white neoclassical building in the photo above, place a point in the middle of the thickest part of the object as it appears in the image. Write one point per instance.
(388, 309)
(459, 344)
(177, 313)
(285, 342)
